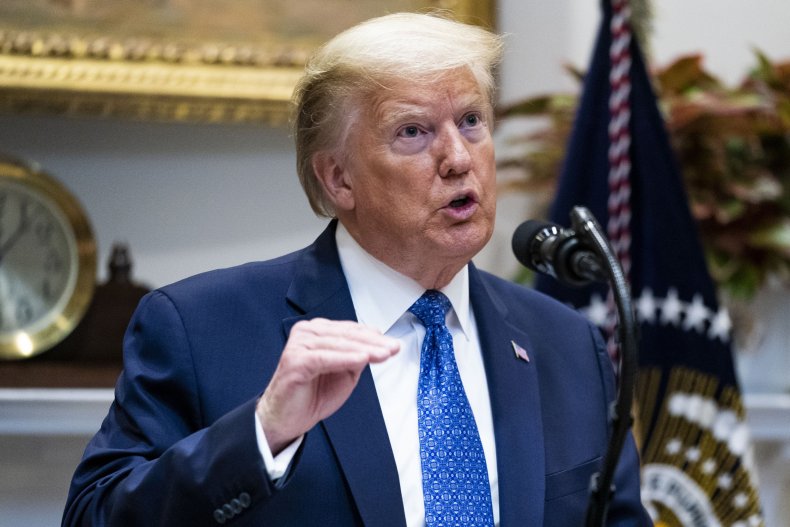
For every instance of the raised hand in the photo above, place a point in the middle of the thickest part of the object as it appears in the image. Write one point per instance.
(318, 370)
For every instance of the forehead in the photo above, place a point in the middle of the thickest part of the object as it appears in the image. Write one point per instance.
(453, 91)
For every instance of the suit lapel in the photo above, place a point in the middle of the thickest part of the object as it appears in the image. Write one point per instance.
(515, 406)
(356, 431)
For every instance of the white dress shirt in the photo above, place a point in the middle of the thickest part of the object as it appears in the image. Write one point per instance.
(381, 298)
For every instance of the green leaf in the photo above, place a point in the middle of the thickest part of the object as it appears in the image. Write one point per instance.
(774, 237)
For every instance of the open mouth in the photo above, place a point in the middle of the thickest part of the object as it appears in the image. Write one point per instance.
(460, 202)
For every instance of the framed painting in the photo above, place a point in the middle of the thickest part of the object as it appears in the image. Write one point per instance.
(230, 61)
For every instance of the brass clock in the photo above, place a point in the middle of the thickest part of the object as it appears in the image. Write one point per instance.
(47, 261)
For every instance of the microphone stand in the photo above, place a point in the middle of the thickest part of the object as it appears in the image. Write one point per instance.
(601, 486)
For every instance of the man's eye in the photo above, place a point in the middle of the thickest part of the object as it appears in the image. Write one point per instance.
(472, 119)
(409, 131)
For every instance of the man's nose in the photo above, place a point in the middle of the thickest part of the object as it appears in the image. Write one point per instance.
(453, 152)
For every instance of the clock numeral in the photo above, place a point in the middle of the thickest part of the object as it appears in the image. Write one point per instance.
(53, 263)
(24, 211)
(46, 290)
(24, 311)
(44, 230)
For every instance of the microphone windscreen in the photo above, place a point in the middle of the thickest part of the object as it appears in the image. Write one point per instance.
(523, 238)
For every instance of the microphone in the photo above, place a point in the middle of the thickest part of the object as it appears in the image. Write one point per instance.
(549, 249)
(576, 257)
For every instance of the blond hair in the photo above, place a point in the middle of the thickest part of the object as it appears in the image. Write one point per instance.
(362, 60)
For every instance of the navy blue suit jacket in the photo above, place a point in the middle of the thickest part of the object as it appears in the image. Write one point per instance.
(179, 441)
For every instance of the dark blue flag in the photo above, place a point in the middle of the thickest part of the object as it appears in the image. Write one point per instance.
(697, 466)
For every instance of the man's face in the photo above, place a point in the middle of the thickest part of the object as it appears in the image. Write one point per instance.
(421, 174)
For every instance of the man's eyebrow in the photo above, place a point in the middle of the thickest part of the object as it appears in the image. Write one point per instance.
(391, 113)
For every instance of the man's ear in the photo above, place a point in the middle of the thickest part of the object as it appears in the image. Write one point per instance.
(330, 171)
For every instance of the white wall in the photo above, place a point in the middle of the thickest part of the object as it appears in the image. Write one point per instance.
(190, 198)
(546, 35)
(726, 31)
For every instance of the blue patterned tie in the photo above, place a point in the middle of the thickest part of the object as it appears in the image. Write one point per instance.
(454, 475)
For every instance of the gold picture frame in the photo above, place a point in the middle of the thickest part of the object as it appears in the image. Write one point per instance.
(226, 61)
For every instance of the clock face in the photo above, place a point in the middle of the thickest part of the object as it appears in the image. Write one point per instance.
(38, 261)
(43, 271)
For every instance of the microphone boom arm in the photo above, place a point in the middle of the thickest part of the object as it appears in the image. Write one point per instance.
(601, 486)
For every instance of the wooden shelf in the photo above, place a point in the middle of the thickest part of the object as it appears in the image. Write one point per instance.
(68, 411)
(768, 415)
(53, 411)
(55, 374)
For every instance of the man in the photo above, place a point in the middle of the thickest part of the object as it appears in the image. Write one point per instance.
(375, 377)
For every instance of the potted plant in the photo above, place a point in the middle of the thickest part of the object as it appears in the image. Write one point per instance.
(733, 146)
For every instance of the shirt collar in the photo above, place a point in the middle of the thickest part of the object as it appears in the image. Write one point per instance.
(382, 295)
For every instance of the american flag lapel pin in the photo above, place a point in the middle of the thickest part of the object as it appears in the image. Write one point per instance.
(520, 352)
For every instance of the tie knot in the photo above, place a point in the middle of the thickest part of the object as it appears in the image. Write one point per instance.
(431, 308)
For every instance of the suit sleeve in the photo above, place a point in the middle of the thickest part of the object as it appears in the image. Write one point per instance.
(155, 461)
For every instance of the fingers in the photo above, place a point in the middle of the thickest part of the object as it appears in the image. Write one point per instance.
(335, 345)
(318, 370)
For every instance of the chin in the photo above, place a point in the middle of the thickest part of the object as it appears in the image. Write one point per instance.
(467, 244)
